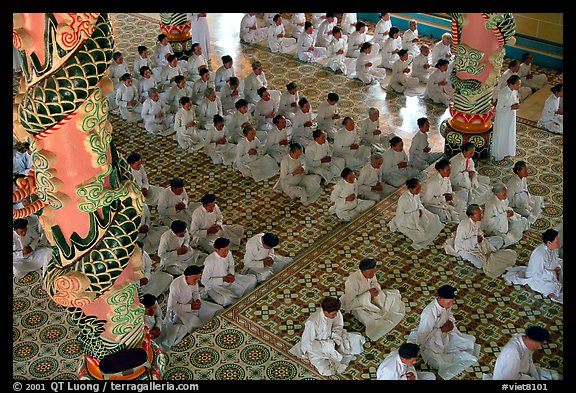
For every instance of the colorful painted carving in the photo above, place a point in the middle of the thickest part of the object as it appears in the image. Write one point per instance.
(177, 27)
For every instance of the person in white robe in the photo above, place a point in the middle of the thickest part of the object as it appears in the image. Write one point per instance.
(370, 183)
(349, 22)
(210, 106)
(173, 203)
(421, 67)
(264, 111)
(186, 305)
(224, 72)
(251, 158)
(255, 80)
(439, 197)
(379, 310)
(288, 104)
(420, 155)
(336, 58)
(208, 225)
(21, 159)
(128, 100)
(306, 49)
(146, 83)
(277, 40)
(317, 18)
(152, 282)
(230, 93)
(396, 168)
(26, 255)
(504, 131)
(401, 81)
(530, 79)
(157, 120)
(382, 28)
(302, 123)
(513, 68)
(544, 273)
(371, 133)
(196, 62)
(325, 343)
(187, 133)
(297, 24)
(277, 142)
(117, 68)
(150, 235)
(365, 69)
(295, 181)
(347, 145)
(443, 346)
(200, 31)
(390, 48)
(321, 160)
(482, 251)
(169, 73)
(442, 49)
(399, 365)
(413, 220)
(200, 86)
(250, 33)
(346, 203)
(260, 258)
(222, 284)
(466, 181)
(328, 115)
(176, 92)
(239, 120)
(324, 31)
(519, 196)
(217, 143)
(410, 39)
(164, 334)
(515, 362)
(357, 39)
(500, 220)
(175, 252)
(438, 89)
(552, 117)
(140, 178)
(163, 49)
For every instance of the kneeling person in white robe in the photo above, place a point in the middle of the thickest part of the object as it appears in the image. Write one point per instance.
(140, 177)
(174, 250)
(154, 283)
(173, 203)
(370, 183)
(294, 178)
(520, 198)
(320, 158)
(347, 205)
(466, 181)
(380, 310)
(399, 365)
(420, 156)
(438, 196)
(260, 258)
(443, 346)
(164, 334)
(251, 158)
(26, 255)
(325, 342)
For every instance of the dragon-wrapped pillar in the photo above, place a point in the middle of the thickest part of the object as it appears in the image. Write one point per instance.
(176, 26)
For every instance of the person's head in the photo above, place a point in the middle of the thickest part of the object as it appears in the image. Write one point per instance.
(304, 105)
(135, 161)
(295, 150)
(210, 94)
(146, 72)
(403, 54)
(442, 64)
(172, 60)
(177, 186)
(227, 61)
(520, 168)
(192, 274)
(330, 306)
(330, 17)
(178, 227)
(250, 132)
(408, 353)
(149, 303)
(270, 240)
(126, 79)
(208, 201)
(180, 81)
(163, 39)
(277, 19)
(333, 98)
(153, 94)
(366, 48)
(234, 82)
(143, 51)
(443, 167)
(257, 67)
(279, 121)
(424, 50)
(292, 87)
(368, 267)
(527, 57)
(222, 246)
(336, 32)
(514, 82)
(376, 160)
(551, 238)
(535, 337)
(373, 114)
(468, 149)
(241, 105)
(500, 190)
(474, 212)
(186, 103)
(308, 28)
(423, 124)
(348, 123)
(348, 175)
(393, 32)
(446, 295)
(118, 58)
(558, 90)
(218, 122)
(319, 136)
(514, 65)
(447, 38)
(413, 24)
(396, 143)
(263, 93)
(360, 27)
(413, 185)
(196, 49)
(204, 74)
(20, 226)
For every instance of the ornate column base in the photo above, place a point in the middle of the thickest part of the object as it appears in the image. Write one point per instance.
(481, 136)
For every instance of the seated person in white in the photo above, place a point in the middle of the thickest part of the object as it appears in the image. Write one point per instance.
(289, 101)
(370, 132)
(157, 120)
(255, 80)
(400, 69)
(21, 158)
(268, 19)
(420, 156)
(336, 54)
(349, 22)
(438, 88)
(379, 310)
(250, 33)
(370, 183)
(173, 203)
(265, 110)
(224, 72)
(209, 107)
(260, 258)
(297, 24)
(26, 255)
(302, 125)
(230, 93)
(382, 28)
(410, 39)
(328, 116)
(175, 252)
(140, 61)
(163, 50)
(176, 92)
(513, 68)
(200, 86)
(396, 169)
(438, 196)
(442, 345)
(294, 178)
(474, 188)
(165, 334)
(128, 99)
(399, 365)
(500, 220)
(187, 133)
(357, 39)
(169, 73)
(223, 285)
(325, 342)
(196, 62)
(533, 81)
(324, 31)
(544, 271)
(347, 145)
(413, 220)
(321, 160)
(239, 120)
(390, 48)
(483, 252)
(217, 143)
(421, 67)
(306, 46)
(277, 143)
(520, 198)
(150, 235)
(365, 70)
(442, 49)
(117, 68)
(251, 158)
(515, 363)
(552, 117)
(317, 18)
(147, 82)
(140, 178)
(277, 40)
(156, 282)
(347, 205)
(208, 225)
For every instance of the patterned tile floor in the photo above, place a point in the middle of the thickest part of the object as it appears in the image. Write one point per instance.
(251, 339)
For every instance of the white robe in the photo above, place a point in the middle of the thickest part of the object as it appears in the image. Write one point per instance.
(116, 71)
(303, 186)
(355, 158)
(160, 54)
(295, 21)
(355, 42)
(324, 32)
(439, 51)
(157, 126)
(388, 56)
(261, 110)
(415, 221)
(207, 110)
(504, 134)
(418, 158)
(418, 70)
(222, 76)
(434, 200)
(167, 207)
(248, 35)
(326, 344)
(158, 281)
(305, 41)
(475, 189)
(150, 239)
(259, 166)
(254, 256)
(202, 220)
(170, 334)
(337, 61)
(167, 75)
(140, 62)
(368, 178)
(174, 95)
(285, 107)
(392, 369)
(234, 124)
(37, 259)
(497, 223)
(140, 178)
(524, 203)
(325, 121)
(366, 128)
(251, 85)
(273, 146)
(348, 22)
(223, 293)
(412, 47)
(394, 175)
(280, 44)
(199, 89)
(170, 261)
(145, 85)
(381, 30)
(300, 133)
(21, 162)
(523, 92)
(440, 94)
(380, 314)
(550, 120)
(219, 153)
(368, 74)
(401, 80)
(537, 81)
(329, 171)
(187, 137)
(347, 210)
(194, 64)
(316, 19)
(124, 95)
(229, 100)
